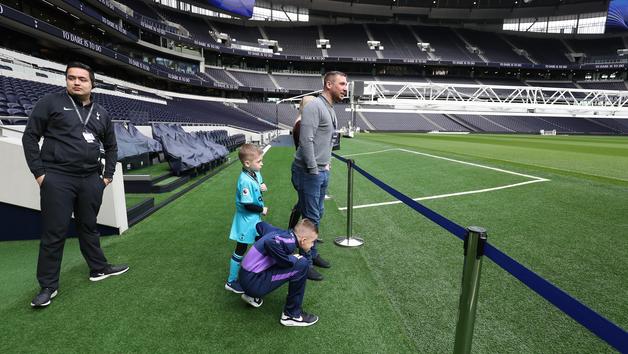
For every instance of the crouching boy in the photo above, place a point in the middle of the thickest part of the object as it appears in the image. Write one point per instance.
(272, 261)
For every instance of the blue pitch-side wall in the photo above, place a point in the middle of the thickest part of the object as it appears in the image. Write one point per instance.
(19, 223)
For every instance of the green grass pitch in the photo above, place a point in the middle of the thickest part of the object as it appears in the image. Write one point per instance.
(396, 294)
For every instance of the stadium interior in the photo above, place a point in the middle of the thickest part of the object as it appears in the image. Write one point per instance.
(187, 84)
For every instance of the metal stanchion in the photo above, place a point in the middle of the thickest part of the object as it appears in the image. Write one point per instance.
(473, 252)
(349, 240)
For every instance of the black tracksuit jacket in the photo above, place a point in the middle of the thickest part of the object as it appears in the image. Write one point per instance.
(65, 149)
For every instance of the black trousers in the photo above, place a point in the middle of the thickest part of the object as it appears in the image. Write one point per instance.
(60, 196)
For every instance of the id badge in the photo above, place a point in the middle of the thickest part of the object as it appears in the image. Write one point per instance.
(89, 137)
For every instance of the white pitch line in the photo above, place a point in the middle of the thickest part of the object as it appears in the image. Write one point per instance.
(266, 148)
(449, 195)
(540, 179)
(535, 179)
(370, 153)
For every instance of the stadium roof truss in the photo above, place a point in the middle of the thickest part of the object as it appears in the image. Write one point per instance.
(429, 97)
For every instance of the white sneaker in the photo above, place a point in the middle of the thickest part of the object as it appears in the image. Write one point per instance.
(304, 320)
(253, 301)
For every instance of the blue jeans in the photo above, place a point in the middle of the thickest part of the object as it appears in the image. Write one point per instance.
(311, 190)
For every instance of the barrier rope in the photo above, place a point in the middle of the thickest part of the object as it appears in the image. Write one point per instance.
(603, 328)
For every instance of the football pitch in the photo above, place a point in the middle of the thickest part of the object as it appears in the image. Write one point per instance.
(556, 204)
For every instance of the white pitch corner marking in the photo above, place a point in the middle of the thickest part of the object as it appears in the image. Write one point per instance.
(476, 165)
(440, 196)
(534, 179)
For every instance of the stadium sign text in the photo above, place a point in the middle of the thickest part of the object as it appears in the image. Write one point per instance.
(259, 54)
(80, 41)
(226, 86)
(413, 61)
(609, 66)
(364, 60)
(139, 64)
(303, 57)
(113, 25)
(462, 62)
(179, 78)
(511, 65)
(152, 27)
(206, 45)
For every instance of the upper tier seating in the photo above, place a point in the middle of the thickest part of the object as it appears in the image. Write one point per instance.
(296, 40)
(493, 47)
(398, 41)
(541, 50)
(447, 45)
(348, 41)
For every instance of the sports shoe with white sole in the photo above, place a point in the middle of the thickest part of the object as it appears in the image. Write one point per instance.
(108, 272)
(253, 301)
(44, 297)
(304, 320)
(234, 286)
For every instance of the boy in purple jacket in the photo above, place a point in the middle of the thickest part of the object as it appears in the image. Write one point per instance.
(272, 261)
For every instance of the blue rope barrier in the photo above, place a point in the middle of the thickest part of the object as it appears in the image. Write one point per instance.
(591, 320)
(339, 157)
(442, 221)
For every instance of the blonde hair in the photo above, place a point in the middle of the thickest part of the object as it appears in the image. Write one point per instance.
(248, 152)
(306, 228)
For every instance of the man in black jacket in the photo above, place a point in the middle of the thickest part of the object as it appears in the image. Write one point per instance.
(68, 171)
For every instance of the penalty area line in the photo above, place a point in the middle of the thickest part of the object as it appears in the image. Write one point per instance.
(370, 153)
(540, 179)
(440, 196)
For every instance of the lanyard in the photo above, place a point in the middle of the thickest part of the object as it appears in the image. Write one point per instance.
(79, 114)
(330, 109)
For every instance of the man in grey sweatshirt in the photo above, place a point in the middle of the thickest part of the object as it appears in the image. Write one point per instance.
(312, 161)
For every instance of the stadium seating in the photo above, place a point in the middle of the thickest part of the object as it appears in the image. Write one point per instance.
(603, 85)
(398, 42)
(254, 79)
(446, 43)
(185, 151)
(19, 96)
(240, 34)
(348, 41)
(541, 50)
(599, 48)
(220, 75)
(297, 40)
(399, 122)
(493, 48)
(299, 82)
(133, 143)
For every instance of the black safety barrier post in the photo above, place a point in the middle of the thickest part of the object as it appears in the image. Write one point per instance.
(473, 251)
(349, 240)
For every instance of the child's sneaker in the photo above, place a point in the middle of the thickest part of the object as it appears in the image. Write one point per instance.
(304, 320)
(234, 286)
(253, 301)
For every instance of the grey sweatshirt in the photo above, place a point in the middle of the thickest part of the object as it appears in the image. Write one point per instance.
(318, 123)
